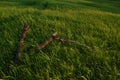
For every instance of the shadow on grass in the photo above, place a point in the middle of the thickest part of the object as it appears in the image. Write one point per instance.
(102, 5)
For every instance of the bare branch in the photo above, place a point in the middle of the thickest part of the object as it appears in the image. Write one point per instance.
(21, 43)
(46, 42)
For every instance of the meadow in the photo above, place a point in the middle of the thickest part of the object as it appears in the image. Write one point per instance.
(94, 23)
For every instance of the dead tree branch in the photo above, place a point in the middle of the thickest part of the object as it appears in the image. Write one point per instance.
(21, 43)
(46, 42)
(41, 45)
(68, 40)
(55, 37)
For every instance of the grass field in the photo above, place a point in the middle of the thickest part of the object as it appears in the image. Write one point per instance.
(94, 23)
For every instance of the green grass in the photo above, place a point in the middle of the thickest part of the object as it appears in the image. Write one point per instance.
(95, 23)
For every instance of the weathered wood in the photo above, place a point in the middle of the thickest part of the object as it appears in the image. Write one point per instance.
(45, 43)
(60, 39)
(41, 45)
(21, 43)
(70, 41)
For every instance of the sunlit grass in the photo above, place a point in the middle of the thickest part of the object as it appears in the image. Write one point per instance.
(86, 21)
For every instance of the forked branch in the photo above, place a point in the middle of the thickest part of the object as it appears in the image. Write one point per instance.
(41, 45)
